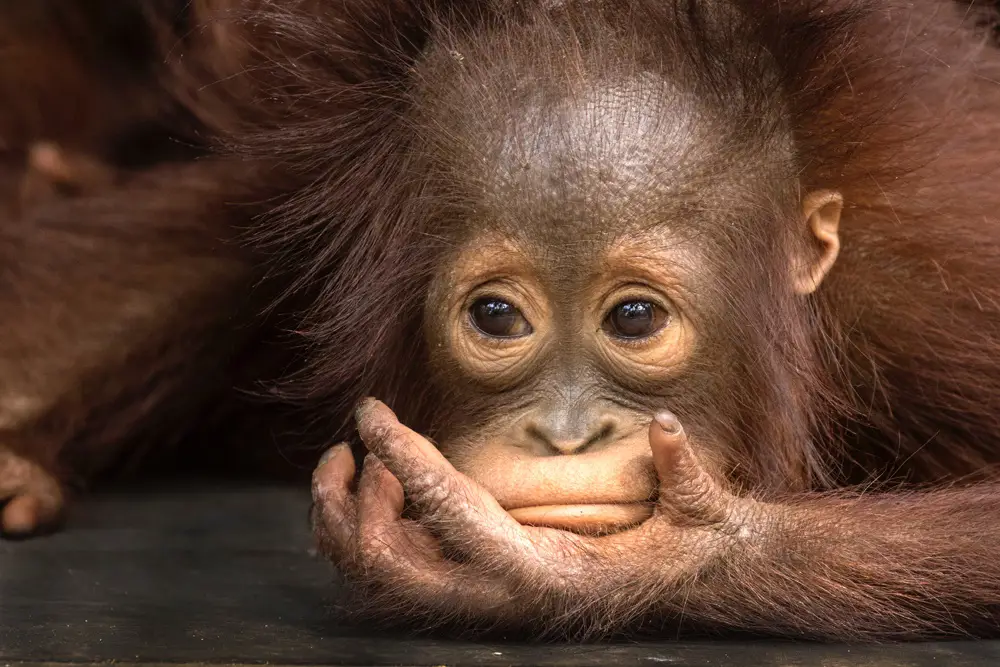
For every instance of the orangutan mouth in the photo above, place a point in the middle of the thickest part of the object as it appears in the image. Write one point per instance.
(591, 519)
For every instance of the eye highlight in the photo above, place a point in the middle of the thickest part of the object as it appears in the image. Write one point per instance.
(497, 318)
(634, 319)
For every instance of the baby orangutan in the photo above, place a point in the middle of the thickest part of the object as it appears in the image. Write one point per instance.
(565, 321)
(650, 327)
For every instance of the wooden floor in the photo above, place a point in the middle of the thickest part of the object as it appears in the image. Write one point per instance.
(224, 575)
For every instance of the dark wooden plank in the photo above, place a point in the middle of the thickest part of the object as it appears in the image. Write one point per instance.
(224, 575)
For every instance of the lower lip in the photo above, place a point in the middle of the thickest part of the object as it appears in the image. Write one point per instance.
(584, 519)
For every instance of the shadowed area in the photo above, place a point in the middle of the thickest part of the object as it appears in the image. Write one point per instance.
(222, 574)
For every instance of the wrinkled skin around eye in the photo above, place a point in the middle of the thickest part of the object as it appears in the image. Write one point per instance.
(462, 559)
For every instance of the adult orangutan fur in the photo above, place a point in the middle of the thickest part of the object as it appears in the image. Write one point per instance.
(316, 165)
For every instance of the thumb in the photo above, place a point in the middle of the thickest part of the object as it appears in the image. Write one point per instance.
(686, 487)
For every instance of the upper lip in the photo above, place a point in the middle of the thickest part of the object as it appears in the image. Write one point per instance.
(571, 480)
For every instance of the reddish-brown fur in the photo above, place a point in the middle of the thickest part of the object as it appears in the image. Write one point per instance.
(127, 297)
(889, 373)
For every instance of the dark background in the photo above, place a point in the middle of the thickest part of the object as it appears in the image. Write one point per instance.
(221, 573)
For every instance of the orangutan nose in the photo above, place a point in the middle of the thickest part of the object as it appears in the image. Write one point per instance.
(559, 436)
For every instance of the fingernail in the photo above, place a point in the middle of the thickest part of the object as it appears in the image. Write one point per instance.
(363, 407)
(668, 422)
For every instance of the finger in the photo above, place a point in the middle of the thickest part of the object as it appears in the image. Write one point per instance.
(431, 483)
(35, 498)
(499, 554)
(384, 533)
(334, 513)
(333, 476)
(386, 437)
(403, 557)
(668, 442)
(29, 514)
(380, 495)
(461, 512)
(685, 484)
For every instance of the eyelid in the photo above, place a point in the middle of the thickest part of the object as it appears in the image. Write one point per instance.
(641, 341)
(503, 281)
(504, 289)
(496, 341)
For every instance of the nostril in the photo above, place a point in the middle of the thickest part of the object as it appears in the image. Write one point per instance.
(538, 435)
(551, 442)
(605, 432)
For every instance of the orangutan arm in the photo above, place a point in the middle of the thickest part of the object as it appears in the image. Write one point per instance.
(879, 566)
(823, 566)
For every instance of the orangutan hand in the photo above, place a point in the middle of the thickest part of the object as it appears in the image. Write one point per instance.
(463, 559)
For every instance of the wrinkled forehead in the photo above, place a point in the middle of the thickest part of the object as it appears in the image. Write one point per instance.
(559, 145)
(573, 184)
(595, 158)
(611, 149)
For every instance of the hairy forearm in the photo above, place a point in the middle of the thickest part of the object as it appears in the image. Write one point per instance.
(870, 566)
(863, 566)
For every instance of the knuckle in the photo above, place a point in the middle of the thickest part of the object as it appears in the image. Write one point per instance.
(695, 495)
(331, 508)
(315, 514)
(432, 492)
(371, 545)
(335, 543)
(566, 577)
(697, 502)
(333, 528)
(382, 433)
(575, 573)
(378, 551)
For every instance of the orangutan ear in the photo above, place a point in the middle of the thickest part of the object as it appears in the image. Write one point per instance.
(821, 210)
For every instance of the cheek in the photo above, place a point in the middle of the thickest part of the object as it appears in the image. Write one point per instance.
(462, 358)
(491, 364)
(473, 374)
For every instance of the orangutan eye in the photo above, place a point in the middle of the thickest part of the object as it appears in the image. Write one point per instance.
(498, 319)
(635, 319)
